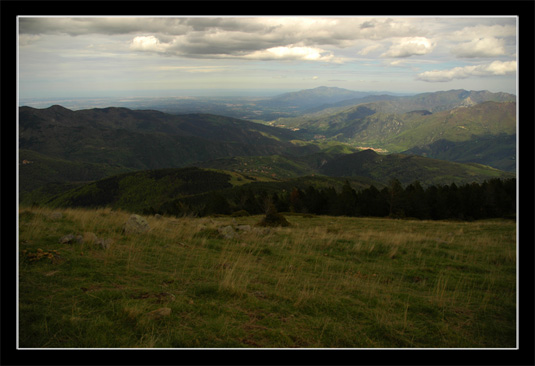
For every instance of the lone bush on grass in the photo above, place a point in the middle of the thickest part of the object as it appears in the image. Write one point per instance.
(273, 218)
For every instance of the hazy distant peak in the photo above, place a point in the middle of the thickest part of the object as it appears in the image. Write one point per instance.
(58, 108)
(321, 95)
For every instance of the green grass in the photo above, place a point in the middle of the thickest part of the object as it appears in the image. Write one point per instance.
(322, 282)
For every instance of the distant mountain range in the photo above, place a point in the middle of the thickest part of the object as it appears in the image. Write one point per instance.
(61, 149)
(426, 103)
(248, 107)
(305, 100)
(413, 124)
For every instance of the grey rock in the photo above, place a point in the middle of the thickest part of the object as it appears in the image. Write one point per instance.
(105, 243)
(136, 225)
(66, 239)
(244, 228)
(227, 232)
(71, 239)
(159, 313)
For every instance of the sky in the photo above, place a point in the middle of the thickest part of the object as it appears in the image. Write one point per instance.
(78, 57)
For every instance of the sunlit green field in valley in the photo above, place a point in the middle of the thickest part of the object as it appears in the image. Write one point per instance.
(322, 282)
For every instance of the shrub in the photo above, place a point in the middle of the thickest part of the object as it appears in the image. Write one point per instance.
(273, 218)
(240, 213)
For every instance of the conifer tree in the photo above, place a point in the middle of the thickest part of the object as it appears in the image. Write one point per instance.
(396, 199)
(348, 200)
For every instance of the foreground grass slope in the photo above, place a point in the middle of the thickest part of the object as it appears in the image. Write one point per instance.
(321, 282)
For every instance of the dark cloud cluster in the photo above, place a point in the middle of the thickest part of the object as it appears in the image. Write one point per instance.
(223, 36)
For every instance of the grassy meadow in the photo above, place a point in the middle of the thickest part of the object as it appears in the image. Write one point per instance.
(323, 282)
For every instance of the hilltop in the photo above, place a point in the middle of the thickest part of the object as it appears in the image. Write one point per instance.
(304, 100)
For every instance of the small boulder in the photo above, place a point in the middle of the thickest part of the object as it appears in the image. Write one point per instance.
(105, 243)
(245, 228)
(136, 225)
(66, 239)
(227, 232)
(71, 239)
(159, 313)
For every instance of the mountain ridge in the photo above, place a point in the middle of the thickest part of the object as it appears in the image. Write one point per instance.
(143, 139)
(115, 139)
(403, 123)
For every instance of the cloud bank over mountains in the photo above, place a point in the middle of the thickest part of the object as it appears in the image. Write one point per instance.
(495, 68)
(360, 45)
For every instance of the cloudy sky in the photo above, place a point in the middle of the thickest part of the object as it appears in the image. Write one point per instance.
(152, 56)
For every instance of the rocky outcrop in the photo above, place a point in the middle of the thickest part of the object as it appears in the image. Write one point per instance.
(87, 238)
(136, 225)
(71, 239)
(232, 232)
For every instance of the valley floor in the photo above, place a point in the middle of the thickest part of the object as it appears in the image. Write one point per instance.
(222, 282)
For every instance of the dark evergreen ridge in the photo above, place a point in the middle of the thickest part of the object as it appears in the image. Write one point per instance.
(193, 191)
(166, 190)
(139, 191)
(42, 177)
(408, 168)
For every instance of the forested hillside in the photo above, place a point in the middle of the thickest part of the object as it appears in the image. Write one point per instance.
(73, 158)
(200, 192)
(145, 139)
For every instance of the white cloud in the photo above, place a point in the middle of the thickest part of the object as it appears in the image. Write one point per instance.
(292, 53)
(366, 50)
(499, 68)
(410, 46)
(495, 68)
(397, 63)
(148, 43)
(482, 47)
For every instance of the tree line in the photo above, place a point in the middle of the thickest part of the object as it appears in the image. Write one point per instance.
(495, 198)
